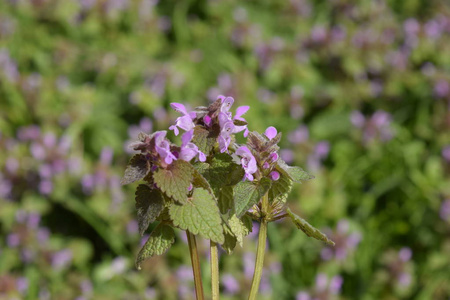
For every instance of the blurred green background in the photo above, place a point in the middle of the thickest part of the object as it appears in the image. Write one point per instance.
(360, 89)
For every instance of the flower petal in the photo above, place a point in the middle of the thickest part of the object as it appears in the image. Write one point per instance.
(187, 137)
(271, 132)
(179, 108)
(241, 110)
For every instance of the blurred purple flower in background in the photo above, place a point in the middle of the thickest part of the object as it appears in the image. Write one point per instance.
(345, 242)
(230, 284)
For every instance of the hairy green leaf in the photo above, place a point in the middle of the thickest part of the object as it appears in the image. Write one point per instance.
(149, 204)
(308, 229)
(230, 241)
(247, 194)
(205, 139)
(175, 180)
(297, 174)
(159, 241)
(200, 215)
(280, 189)
(225, 200)
(240, 227)
(136, 169)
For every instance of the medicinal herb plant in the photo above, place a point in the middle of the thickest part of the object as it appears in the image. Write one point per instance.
(211, 186)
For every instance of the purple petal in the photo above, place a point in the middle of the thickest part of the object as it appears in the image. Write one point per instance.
(187, 137)
(185, 123)
(274, 156)
(223, 119)
(179, 108)
(242, 150)
(241, 110)
(271, 132)
(207, 120)
(226, 104)
(175, 129)
(193, 115)
(274, 175)
(201, 156)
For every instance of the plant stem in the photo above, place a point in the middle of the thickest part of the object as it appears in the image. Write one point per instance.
(195, 265)
(214, 271)
(262, 238)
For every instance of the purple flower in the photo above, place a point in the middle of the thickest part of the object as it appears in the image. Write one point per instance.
(335, 284)
(22, 284)
(184, 273)
(446, 153)
(404, 279)
(163, 147)
(230, 284)
(271, 132)
(302, 295)
(274, 175)
(45, 187)
(299, 135)
(190, 150)
(249, 263)
(405, 254)
(445, 210)
(13, 240)
(184, 122)
(118, 265)
(62, 258)
(106, 156)
(226, 129)
(357, 119)
(247, 161)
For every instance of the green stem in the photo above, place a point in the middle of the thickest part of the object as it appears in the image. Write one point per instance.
(195, 265)
(262, 238)
(214, 271)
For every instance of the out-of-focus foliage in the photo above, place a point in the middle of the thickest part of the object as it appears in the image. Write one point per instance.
(360, 89)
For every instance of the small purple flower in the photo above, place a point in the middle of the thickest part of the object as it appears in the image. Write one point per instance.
(405, 254)
(22, 285)
(336, 284)
(302, 295)
(230, 284)
(163, 147)
(62, 258)
(270, 132)
(247, 161)
(299, 135)
(444, 213)
(357, 119)
(446, 153)
(185, 122)
(404, 279)
(13, 240)
(321, 282)
(274, 175)
(190, 150)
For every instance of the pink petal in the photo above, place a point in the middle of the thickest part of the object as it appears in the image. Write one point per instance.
(271, 132)
(187, 137)
(275, 175)
(241, 110)
(179, 108)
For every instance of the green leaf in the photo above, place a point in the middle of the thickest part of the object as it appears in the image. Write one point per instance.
(230, 241)
(239, 123)
(240, 227)
(136, 169)
(247, 194)
(280, 189)
(158, 242)
(175, 180)
(149, 204)
(297, 174)
(205, 139)
(308, 229)
(200, 215)
(200, 181)
(225, 200)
